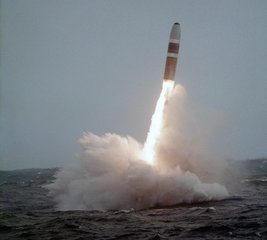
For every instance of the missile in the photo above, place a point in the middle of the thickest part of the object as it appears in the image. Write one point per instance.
(172, 55)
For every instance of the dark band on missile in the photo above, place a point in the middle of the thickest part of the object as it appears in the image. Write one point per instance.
(173, 47)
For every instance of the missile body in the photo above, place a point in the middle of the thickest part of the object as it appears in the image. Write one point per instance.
(172, 55)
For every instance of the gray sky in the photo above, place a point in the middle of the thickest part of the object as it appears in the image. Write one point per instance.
(74, 66)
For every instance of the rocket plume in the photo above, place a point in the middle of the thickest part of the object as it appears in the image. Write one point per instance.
(112, 174)
(156, 123)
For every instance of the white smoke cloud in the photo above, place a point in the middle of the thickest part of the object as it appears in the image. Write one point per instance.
(110, 173)
(184, 139)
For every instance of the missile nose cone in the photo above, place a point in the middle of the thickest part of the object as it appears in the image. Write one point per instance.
(176, 31)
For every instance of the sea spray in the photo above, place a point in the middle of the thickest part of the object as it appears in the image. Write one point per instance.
(112, 174)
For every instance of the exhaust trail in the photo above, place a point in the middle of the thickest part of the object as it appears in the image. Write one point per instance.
(156, 123)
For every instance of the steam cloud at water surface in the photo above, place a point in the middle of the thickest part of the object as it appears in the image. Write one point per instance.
(111, 173)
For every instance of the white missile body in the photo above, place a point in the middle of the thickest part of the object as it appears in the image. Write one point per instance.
(172, 55)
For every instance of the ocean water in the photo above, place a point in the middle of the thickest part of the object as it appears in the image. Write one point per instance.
(27, 212)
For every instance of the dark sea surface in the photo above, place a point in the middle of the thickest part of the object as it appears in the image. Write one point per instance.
(27, 212)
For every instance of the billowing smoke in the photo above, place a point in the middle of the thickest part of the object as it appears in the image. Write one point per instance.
(111, 174)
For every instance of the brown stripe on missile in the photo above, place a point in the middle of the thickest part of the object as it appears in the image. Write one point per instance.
(173, 47)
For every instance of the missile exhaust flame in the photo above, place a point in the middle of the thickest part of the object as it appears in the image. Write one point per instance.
(156, 123)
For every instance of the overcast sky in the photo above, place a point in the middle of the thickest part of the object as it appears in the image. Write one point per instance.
(74, 66)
